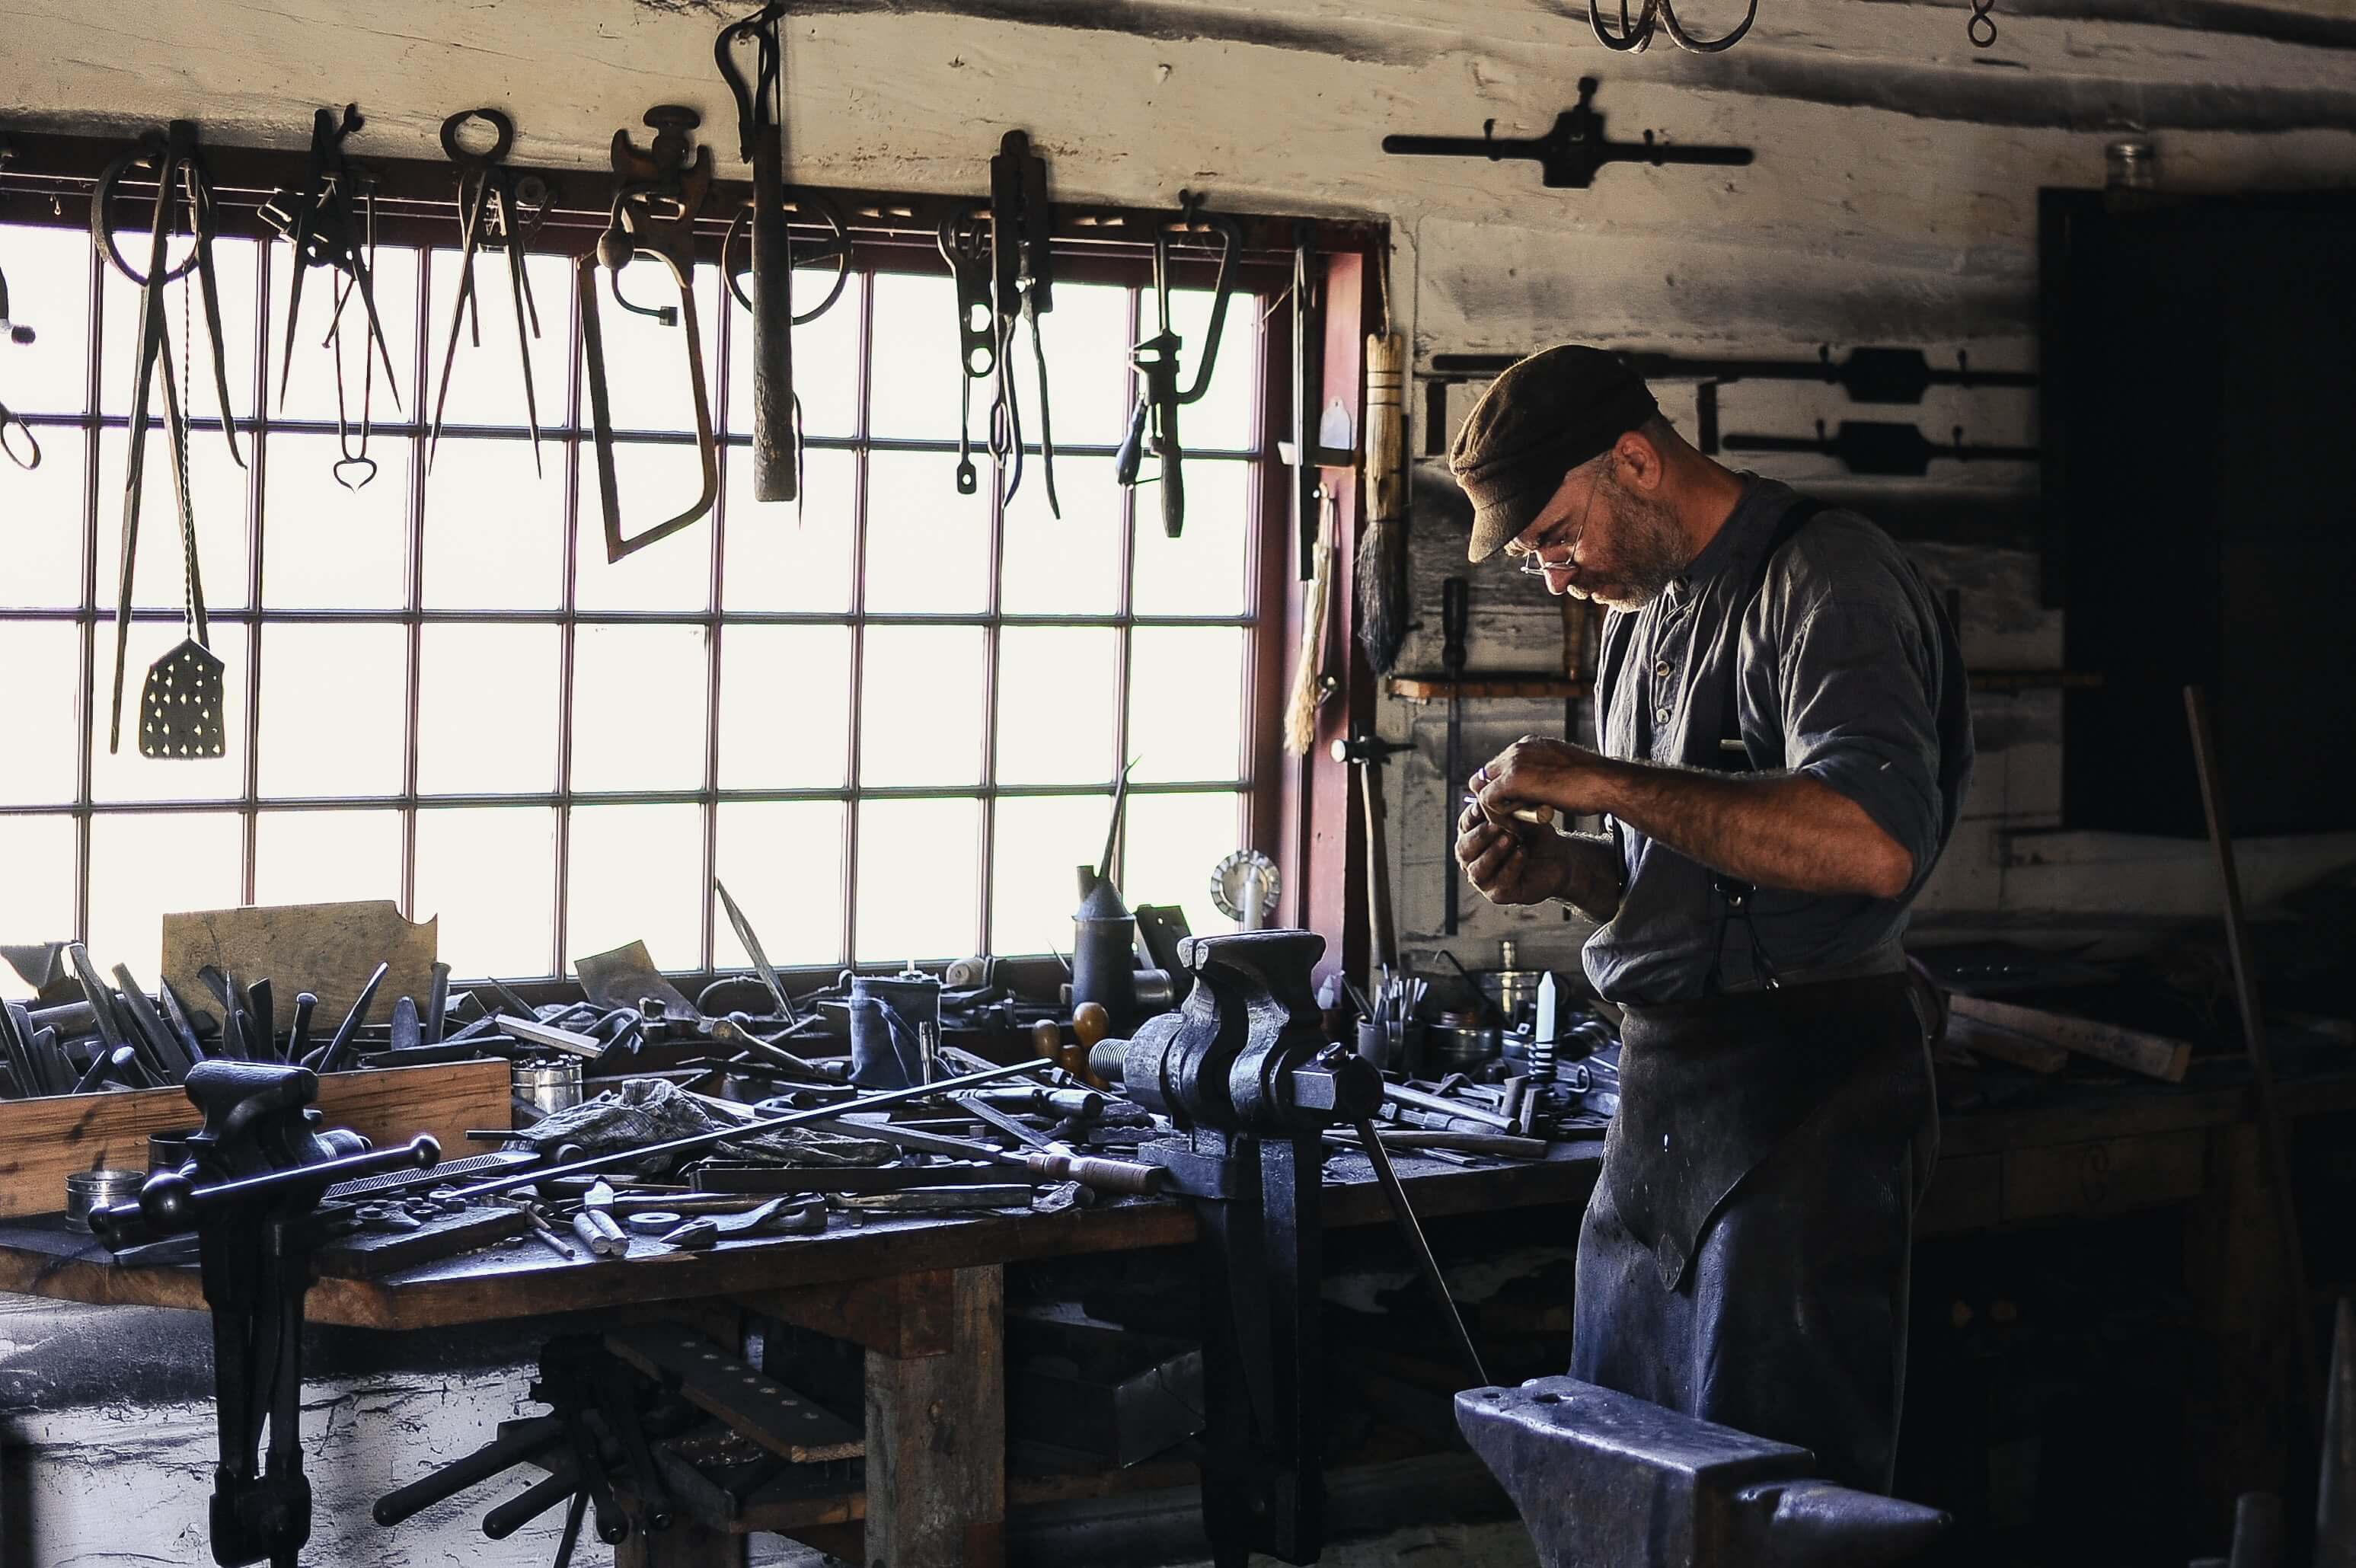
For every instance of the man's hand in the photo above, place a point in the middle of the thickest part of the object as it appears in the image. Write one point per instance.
(1535, 771)
(1512, 864)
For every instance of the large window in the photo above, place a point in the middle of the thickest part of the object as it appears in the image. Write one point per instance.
(889, 719)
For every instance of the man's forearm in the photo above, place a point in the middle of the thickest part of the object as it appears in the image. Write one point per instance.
(1783, 830)
(1592, 875)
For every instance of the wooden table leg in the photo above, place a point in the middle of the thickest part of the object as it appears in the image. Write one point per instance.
(937, 1439)
(2234, 1274)
(685, 1544)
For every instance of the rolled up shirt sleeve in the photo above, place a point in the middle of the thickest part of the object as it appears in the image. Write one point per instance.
(1861, 715)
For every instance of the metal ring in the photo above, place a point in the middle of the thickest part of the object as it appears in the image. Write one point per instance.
(150, 153)
(1981, 28)
(10, 427)
(1714, 45)
(1633, 36)
(497, 122)
(839, 247)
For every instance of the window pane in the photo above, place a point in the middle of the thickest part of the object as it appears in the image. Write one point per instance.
(914, 380)
(783, 864)
(1186, 703)
(42, 664)
(927, 546)
(656, 481)
(326, 547)
(487, 379)
(825, 356)
(1033, 889)
(127, 776)
(39, 854)
(234, 265)
(1223, 421)
(489, 874)
(782, 559)
(918, 861)
(1170, 846)
(785, 706)
(318, 857)
(1200, 573)
(645, 361)
(217, 488)
(638, 700)
(311, 383)
(637, 875)
(48, 284)
(1056, 705)
(1069, 565)
(487, 707)
(1088, 336)
(920, 706)
(142, 867)
(44, 513)
(332, 720)
(494, 530)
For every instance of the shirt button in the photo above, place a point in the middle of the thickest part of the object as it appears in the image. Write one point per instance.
(1660, 715)
(1662, 668)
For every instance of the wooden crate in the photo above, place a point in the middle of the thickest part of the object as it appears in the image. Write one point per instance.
(42, 1140)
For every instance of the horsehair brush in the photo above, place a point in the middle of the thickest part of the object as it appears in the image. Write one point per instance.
(1381, 566)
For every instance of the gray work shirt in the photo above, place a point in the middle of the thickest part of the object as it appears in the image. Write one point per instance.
(1840, 663)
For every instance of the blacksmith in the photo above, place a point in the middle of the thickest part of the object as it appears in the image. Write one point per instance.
(1784, 747)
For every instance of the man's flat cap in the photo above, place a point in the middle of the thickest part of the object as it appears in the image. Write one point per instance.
(1545, 416)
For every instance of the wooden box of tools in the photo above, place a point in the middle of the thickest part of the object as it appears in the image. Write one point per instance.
(42, 1140)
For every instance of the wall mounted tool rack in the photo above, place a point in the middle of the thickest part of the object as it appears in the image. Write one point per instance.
(891, 231)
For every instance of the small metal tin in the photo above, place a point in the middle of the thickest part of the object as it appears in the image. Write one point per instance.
(1460, 1050)
(548, 1086)
(87, 1190)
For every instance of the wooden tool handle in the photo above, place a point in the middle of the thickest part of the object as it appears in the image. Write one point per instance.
(1104, 1176)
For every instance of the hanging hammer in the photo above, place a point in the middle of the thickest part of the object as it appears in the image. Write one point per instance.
(1367, 753)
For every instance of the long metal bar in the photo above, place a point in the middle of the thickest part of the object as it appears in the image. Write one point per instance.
(750, 1129)
(1420, 1250)
(2274, 1134)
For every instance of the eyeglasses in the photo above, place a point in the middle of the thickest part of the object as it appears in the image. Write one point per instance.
(1531, 564)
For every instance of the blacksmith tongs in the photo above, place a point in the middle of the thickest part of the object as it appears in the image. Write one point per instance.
(324, 228)
(495, 207)
(181, 178)
(657, 195)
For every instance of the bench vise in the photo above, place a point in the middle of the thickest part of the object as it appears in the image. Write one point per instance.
(250, 1188)
(1604, 1479)
(1245, 1075)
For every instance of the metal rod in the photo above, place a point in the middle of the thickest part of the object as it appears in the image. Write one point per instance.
(1426, 1264)
(2273, 1134)
(750, 1129)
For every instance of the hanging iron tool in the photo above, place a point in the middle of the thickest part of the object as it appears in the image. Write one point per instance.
(1881, 446)
(1452, 618)
(1249, 1087)
(1571, 154)
(183, 698)
(496, 209)
(761, 142)
(250, 1191)
(15, 436)
(1023, 287)
(1636, 35)
(1153, 426)
(967, 253)
(353, 468)
(322, 221)
(657, 195)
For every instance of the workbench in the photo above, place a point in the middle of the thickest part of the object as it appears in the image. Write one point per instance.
(923, 1295)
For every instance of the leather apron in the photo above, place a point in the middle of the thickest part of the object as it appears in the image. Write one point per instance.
(1711, 1088)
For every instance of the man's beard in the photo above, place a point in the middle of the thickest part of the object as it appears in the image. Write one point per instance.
(1649, 550)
